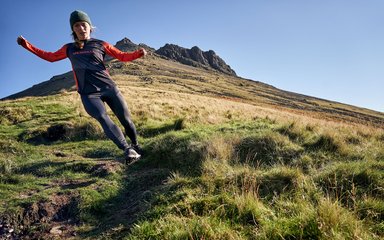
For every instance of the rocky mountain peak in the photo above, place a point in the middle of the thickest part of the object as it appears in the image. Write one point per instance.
(126, 45)
(195, 57)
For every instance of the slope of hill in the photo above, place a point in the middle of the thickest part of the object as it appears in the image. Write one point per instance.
(161, 73)
(225, 158)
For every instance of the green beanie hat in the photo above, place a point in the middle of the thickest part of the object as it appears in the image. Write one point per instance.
(77, 16)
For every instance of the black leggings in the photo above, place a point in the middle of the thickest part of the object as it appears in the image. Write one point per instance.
(94, 105)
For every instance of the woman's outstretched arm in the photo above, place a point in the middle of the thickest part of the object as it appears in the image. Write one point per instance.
(49, 56)
(123, 56)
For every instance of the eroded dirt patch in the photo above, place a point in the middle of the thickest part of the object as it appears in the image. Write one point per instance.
(106, 168)
(58, 216)
(53, 218)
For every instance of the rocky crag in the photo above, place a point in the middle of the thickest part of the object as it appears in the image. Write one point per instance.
(195, 57)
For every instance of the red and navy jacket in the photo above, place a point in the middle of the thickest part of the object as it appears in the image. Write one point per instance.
(88, 65)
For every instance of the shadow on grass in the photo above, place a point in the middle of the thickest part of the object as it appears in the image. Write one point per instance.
(142, 183)
(112, 196)
(99, 153)
(50, 169)
(64, 132)
(149, 132)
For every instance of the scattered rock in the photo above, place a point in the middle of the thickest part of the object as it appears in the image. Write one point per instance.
(6, 231)
(59, 154)
(56, 230)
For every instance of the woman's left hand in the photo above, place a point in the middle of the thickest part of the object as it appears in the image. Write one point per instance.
(21, 40)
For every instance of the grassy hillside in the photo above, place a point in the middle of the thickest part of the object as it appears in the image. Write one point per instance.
(155, 73)
(225, 158)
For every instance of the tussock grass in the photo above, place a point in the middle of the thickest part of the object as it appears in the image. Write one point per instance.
(266, 150)
(293, 220)
(173, 227)
(176, 151)
(371, 208)
(295, 132)
(353, 181)
(9, 147)
(6, 166)
(336, 222)
(324, 143)
(153, 129)
(14, 115)
(65, 131)
(213, 168)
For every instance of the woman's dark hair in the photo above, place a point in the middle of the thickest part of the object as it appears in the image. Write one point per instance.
(74, 37)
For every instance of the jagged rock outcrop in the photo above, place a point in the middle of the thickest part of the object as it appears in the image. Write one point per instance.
(195, 57)
(127, 45)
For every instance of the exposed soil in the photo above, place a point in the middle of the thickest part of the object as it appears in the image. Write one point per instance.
(106, 168)
(54, 218)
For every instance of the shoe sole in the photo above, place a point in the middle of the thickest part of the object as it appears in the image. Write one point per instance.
(131, 160)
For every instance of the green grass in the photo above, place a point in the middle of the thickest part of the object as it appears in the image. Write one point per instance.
(232, 178)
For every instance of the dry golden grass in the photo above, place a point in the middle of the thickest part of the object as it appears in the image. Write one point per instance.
(147, 103)
(172, 78)
(156, 78)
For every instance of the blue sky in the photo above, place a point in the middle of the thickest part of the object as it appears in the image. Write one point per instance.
(331, 49)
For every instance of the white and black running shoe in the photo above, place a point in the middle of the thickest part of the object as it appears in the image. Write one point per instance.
(131, 156)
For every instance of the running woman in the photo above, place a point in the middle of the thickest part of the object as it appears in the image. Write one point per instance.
(93, 82)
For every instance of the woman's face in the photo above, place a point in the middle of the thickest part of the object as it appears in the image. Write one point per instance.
(82, 30)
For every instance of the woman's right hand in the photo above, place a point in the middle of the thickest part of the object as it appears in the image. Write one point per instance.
(143, 52)
(21, 40)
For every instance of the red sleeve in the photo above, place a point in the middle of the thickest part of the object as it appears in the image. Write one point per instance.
(122, 56)
(49, 56)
